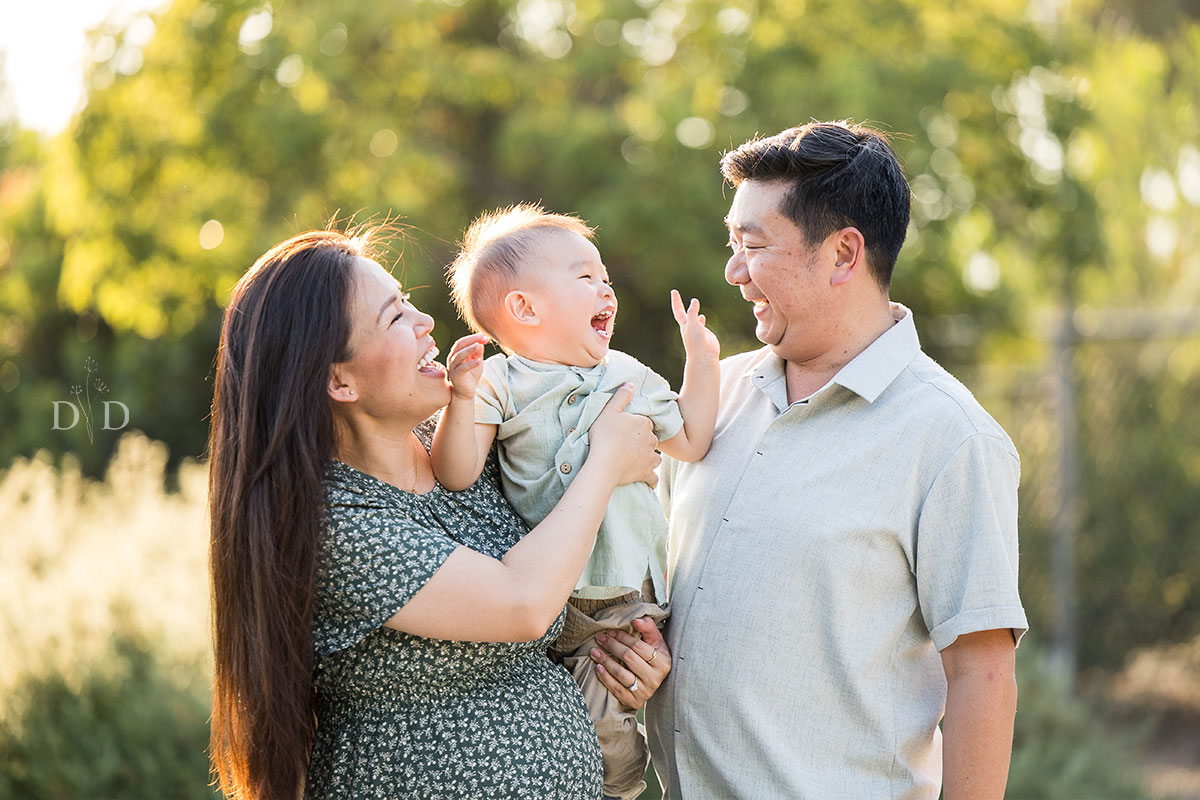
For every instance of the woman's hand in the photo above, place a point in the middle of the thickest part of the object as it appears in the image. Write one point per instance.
(623, 442)
(632, 668)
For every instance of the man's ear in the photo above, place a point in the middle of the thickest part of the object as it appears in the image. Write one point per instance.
(340, 386)
(850, 255)
(518, 306)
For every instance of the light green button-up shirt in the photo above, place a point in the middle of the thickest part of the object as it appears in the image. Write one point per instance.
(543, 413)
(822, 554)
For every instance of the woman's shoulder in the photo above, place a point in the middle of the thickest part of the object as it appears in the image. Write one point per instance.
(347, 488)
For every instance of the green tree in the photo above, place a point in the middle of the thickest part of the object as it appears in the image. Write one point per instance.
(1052, 152)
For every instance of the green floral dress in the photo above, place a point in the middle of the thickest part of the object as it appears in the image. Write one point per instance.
(400, 716)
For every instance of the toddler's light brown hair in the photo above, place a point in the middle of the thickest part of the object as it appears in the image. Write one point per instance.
(493, 252)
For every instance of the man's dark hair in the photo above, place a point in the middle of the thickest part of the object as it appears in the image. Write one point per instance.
(840, 175)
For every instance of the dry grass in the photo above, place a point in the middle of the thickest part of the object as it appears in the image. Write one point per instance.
(84, 561)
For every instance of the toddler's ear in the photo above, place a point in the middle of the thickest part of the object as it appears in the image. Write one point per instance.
(518, 306)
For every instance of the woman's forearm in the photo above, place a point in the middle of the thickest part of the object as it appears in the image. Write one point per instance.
(547, 562)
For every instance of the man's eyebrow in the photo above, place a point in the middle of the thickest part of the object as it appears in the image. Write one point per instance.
(383, 307)
(748, 227)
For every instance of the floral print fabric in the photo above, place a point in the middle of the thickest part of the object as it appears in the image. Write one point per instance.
(400, 716)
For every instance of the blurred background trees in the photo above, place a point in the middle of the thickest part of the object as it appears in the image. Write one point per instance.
(1053, 150)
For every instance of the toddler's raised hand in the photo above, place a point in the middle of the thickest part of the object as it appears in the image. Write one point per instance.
(698, 340)
(464, 365)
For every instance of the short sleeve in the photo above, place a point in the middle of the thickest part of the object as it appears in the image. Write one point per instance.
(491, 396)
(374, 559)
(656, 400)
(966, 563)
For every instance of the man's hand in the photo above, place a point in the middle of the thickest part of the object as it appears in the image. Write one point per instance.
(464, 365)
(641, 661)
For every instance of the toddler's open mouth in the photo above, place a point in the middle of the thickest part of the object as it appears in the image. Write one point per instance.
(602, 323)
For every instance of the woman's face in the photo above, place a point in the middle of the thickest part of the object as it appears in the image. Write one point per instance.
(391, 372)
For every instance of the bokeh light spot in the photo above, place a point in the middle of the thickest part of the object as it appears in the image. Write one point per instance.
(384, 143)
(290, 71)
(212, 233)
(695, 132)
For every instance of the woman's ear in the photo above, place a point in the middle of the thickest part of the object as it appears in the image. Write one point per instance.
(518, 307)
(850, 255)
(340, 388)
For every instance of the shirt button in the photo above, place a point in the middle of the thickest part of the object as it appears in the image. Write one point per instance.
(571, 400)
(565, 469)
(570, 431)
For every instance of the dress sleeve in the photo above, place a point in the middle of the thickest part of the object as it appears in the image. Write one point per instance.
(374, 559)
(660, 403)
(491, 395)
(966, 564)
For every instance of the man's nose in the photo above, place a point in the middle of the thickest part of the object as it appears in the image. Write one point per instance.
(735, 269)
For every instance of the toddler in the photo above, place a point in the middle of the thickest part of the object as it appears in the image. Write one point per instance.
(534, 283)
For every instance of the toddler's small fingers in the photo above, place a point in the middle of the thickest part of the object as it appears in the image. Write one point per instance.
(677, 307)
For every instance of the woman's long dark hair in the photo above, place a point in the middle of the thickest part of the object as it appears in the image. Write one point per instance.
(271, 440)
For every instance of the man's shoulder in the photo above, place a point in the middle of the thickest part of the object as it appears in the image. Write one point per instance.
(745, 360)
(737, 369)
(746, 363)
(929, 390)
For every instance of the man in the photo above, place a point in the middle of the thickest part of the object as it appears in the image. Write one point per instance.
(844, 561)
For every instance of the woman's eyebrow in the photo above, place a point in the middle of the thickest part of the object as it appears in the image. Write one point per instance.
(384, 307)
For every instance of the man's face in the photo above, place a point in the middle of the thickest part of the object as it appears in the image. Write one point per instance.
(780, 273)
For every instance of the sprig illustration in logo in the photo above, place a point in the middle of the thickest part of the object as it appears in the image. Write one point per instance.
(86, 390)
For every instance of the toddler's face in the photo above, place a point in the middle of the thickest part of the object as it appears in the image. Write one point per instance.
(574, 301)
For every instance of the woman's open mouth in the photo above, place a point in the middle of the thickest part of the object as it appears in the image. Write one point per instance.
(427, 365)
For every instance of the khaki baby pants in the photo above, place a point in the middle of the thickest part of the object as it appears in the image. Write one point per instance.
(622, 741)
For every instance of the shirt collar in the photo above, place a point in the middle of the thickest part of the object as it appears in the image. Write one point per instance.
(874, 369)
(543, 366)
(867, 374)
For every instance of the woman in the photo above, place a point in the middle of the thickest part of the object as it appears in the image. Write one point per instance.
(419, 616)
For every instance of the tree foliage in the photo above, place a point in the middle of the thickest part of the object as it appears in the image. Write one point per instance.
(1053, 155)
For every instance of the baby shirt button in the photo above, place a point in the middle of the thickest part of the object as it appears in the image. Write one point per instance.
(565, 469)
(571, 400)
